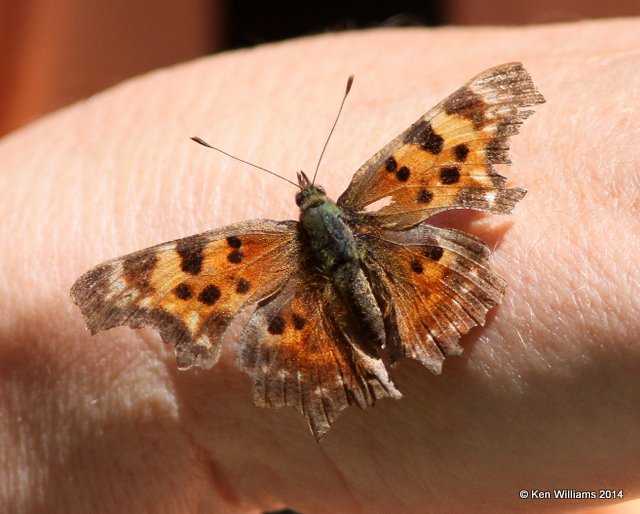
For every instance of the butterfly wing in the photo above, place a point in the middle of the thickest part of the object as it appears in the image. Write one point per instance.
(191, 289)
(445, 160)
(301, 352)
(434, 285)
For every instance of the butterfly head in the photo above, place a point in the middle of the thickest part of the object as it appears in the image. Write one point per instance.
(309, 193)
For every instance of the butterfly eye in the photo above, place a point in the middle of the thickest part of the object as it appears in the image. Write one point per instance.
(299, 198)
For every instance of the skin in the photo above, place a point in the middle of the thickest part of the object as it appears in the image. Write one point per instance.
(544, 396)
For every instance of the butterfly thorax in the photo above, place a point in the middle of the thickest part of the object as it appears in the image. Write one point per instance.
(336, 255)
(329, 238)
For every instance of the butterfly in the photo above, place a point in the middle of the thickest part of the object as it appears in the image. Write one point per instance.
(342, 291)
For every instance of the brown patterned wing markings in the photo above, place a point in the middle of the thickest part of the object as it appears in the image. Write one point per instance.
(298, 355)
(435, 284)
(446, 159)
(191, 289)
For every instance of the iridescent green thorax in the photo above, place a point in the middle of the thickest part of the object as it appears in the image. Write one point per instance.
(330, 238)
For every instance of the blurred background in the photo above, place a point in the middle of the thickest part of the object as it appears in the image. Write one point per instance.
(55, 52)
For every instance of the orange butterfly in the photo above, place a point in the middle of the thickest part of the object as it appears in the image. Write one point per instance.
(333, 289)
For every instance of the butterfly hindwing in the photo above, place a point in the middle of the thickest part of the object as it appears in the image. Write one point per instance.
(446, 159)
(434, 285)
(299, 354)
(191, 289)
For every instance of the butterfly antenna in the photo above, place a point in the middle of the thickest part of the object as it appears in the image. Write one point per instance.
(204, 143)
(346, 92)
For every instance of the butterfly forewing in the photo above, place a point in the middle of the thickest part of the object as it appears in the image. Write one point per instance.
(446, 159)
(191, 289)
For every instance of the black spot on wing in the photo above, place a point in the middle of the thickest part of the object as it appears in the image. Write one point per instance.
(191, 252)
(242, 286)
(403, 174)
(209, 295)
(449, 175)
(433, 252)
(298, 321)
(424, 196)
(461, 151)
(183, 291)
(277, 325)
(235, 256)
(422, 134)
(234, 242)
(391, 165)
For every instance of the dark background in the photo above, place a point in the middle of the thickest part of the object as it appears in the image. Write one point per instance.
(252, 22)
